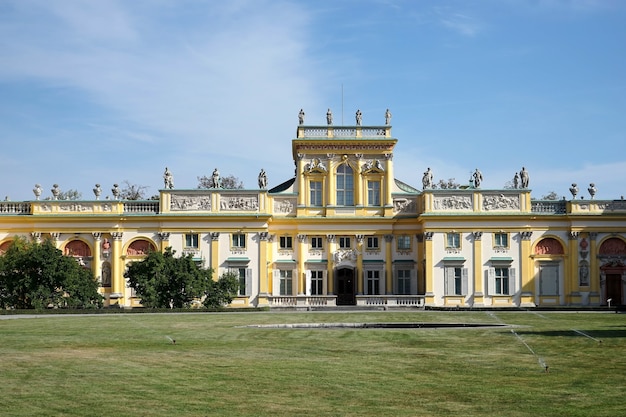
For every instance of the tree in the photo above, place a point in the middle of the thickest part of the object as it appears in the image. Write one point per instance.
(222, 291)
(133, 191)
(162, 280)
(38, 275)
(70, 194)
(449, 184)
(552, 195)
(229, 182)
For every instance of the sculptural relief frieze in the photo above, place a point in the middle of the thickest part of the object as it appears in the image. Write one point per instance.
(284, 206)
(189, 202)
(500, 202)
(239, 203)
(453, 202)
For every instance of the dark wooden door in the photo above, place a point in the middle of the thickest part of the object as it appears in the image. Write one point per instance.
(345, 287)
(614, 289)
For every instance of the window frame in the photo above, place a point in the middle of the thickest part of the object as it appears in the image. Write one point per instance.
(319, 245)
(344, 190)
(238, 241)
(404, 243)
(316, 194)
(374, 193)
(403, 283)
(450, 240)
(191, 240)
(342, 240)
(373, 281)
(372, 243)
(285, 242)
(497, 240)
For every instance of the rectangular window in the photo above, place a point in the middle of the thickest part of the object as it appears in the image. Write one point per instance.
(317, 282)
(191, 240)
(404, 281)
(404, 242)
(239, 241)
(455, 281)
(286, 287)
(316, 243)
(286, 242)
(501, 281)
(316, 193)
(372, 243)
(453, 240)
(344, 242)
(373, 193)
(501, 240)
(372, 281)
(242, 280)
(345, 185)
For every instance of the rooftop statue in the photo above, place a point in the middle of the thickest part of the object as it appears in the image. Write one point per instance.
(217, 181)
(524, 177)
(427, 179)
(262, 179)
(329, 117)
(359, 117)
(478, 178)
(301, 117)
(168, 179)
(387, 117)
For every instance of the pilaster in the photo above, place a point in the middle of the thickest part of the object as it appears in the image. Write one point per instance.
(215, 251)
(429, 296)
(330, 249)
(389, 264)
(301, 282)
(118, 289)
(526, 269)
(263, 275)
(477, 289)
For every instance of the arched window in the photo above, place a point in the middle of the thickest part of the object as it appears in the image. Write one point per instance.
(345, 186)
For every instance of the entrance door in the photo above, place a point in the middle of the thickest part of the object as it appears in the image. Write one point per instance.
(614, 288)
(345, 287)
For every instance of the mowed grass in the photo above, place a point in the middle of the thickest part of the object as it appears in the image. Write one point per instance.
(126, 365)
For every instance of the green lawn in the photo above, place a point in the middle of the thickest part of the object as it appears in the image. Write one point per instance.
(127, 365)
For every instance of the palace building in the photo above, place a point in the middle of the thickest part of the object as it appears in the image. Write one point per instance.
(345, 232)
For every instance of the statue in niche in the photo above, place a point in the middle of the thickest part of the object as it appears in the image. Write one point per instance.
(168, 179)
(478, 178)
(516, 180)
(574, 190)
(427, 179)
(262, 179)
(97, 191)
(387, 117)
(217, 180)
(359, 117)
(329, 117)
(301, 117)
(37, 191)
(524, 177)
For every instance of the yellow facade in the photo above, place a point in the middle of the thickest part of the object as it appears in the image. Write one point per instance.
(344, 231)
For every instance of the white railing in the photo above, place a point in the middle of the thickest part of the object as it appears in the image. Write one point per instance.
(141, 207)
(302, 301)
(390, 300)
(14, 208)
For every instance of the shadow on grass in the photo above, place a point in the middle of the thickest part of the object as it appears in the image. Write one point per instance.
(598, 334)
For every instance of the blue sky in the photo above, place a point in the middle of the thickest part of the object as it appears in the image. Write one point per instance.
(107, 91)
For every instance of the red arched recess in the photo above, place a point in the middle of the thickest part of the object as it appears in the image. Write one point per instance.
(5, 246)
(77, 248)
(549, 246)
(613, 246)
(140, 247)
